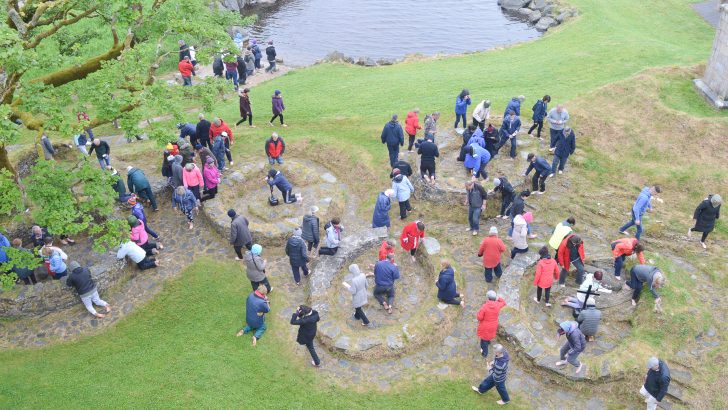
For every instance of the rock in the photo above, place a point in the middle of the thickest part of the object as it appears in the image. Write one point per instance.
(563, 16)
(523, 12)
(237, 177)
(450, 341)
(711, 332)
(538, 5)
(534, 16)
(386, 61)
(394, 342)
(545, 23)
(514, 4)
(365, 344)
(369, 62)
(335, 56)
(432, 246)
(361, 61)
(548, 10)
(327, 177)
(342, 343)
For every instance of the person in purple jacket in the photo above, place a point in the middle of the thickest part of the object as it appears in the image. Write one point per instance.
(278, 108)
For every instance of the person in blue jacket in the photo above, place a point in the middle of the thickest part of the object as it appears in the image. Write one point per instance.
(642, 205)
(276, 178)
(461, 107)
(539, 113)
(256, 306)
(381, 209)
(446, 287)
(543, 171)
(565, 146)
(385, 273)
(476, 160)
(509, 130)
(514, 105)
(4, 243)
(393, 136)
(477, 138)
(187, 130)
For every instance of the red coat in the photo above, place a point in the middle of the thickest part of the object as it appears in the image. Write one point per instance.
(491, 250)
(488, 318)
(216, 130)
(384, 250)
(410, 237)
(547, 271)
(563, 256)
(625, 246)
(412, 123)
(185, 68)
(275, 149)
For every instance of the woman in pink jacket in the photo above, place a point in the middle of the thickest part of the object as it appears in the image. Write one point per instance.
(192, 179)
(140, 237)
(212, 178)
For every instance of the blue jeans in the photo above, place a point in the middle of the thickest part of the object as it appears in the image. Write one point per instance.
(618, 262)
(297, 272)
(271, 66)
(559, 162)
(104, 162)
(393, 154)
(474, 218)
(514, 143)
(579, 265)
(220, 161)
(272, 160)
(488, 272)
(631, 224)
(554, 136)
(232, 75)
(258, 332)
(488, 384)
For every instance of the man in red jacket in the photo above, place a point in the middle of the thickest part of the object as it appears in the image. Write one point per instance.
(571, 252)
(491, 250)
(185, 70)
(274, 149)
(217, 127)
(488, 320)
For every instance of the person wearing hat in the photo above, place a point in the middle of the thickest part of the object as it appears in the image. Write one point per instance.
(137, 210)
(311, 231)
(276, 178)
(139, 184)
(393, 137)
(140, 237)
(357, 285)
(202, 131)
(543, 171)
(476, 199)
(246, 112)
(278, 108)
(575, 344)
(505, 188)
(411, 125)
(380, 217)
(270, 53)
(481, 114)
(220, 128)
(656, 384)
(81, 280)
(539, 113)
(192, 179)
(185, 199)
(255, 268)
(239, 233)
(297, 255)
(514, 105)
(589, 319)
(488, 320)
(204, 153)
(498, 370)
(557, 119)
(509, 131)
(705, 216)
(211, 175)
(275, 147)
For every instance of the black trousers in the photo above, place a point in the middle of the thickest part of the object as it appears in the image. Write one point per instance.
(312, 351)
(227, 151)
(208, 194)
(239, 249)
(359, 315)
(263, 282)
(404, 206)
(147, 263)
(547, 294)
(280, 115)
(538, 182)
(312, 245)
(702, 238)
(327, 251)
(248, 117)
(538, 124)
(411, 142)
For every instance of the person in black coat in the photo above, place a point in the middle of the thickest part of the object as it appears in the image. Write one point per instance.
(565, 146)
(491, 140)
(502, 185)
(202, 131)
(306, 318)
(404, 168)
(428, 151)
(242, 72)
(81, 280)
(218, 67)
(656, 383)
(705, 216)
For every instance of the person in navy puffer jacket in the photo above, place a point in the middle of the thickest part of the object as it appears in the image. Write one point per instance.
(539, 113)
(446, 287)
(514, 105)
(276, 178)
(543, 171)
(509, 130)
(565, 146)
(393, 137)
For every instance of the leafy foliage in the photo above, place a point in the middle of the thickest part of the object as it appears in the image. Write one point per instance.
(20, 258)
(7, 280)
(11, 199)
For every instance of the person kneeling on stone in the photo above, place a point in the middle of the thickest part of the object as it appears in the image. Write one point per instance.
(140, 237)
(589, 319)
(357, 286)
(255, 268)
(590, 280)
(333, 237)
(276, 178)
(446, 287)
(498, 370)
(306, 319)
(385, 273)
(136, 254)
(256, 306)
(80, 279)
(575, 344)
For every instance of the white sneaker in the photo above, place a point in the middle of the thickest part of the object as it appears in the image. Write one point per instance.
(475, 389)
(551, 175)
(232, 163)
(505, 216)
(475, 233)
(535, 300)
(618, 277)
(561, 172)
(560, 363)
(467, 230)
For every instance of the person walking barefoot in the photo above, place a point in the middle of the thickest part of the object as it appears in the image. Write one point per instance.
(256, 306)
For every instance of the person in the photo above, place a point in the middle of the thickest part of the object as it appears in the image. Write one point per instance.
(539, 113)
(492, 140)
(25, 274)
(382, 206)
(508, 131)
(56, 263)
(306, 318)
(476, 136)
(211, 175)
(204, 153)
(393, 136)
(311, 231)
(255, 268)
(46, 252)
(481, 114)
(137, 255)
(239, 41)
(411, 237)
(431, 124)
(446, 286)
(403, 189)
(185, 70)
(621, 248)
(565, 146)
(249, 61)
(231, 69)
(217, 66)
(571, 252)
(591, 280)
(543, 171)
(242, 70)
(505, 188)
(488, 320)
(403, 166)
(589, 319)
(186, 130)
(561, 230)
(428, 151)
(385, 273)
(120, 188)
(202, 131)
(514, 105)
(80, 140)
(185, 199)
(39, 235)
(411, 125)
(467, 136)
(642, 204)
(498, 370)
(657, 382)
(652, 276)
(274, 149)
(102, 152)
(520, 233)
(80, 279)
(137, 210)
(297, 255)
(246, 112)
(218, 150)
(48, 150)
(139, 184)
(220, 127)
(475, 200)
(491, 249)
(140, 237)
(177, 171)
(278, 108)
(256, 306)
(557, 119)
(575, 344)
(184, 50)
(192, 180)
(4, 243)
(476, 160)
(705, 215)
(270, 53)
(239, 233)
(276, 178)
(357, 285)
(257, 53)
(461, 107)
(547, 270)
(333, 237)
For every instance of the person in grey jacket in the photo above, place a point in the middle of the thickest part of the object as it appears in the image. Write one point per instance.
(255, 268)
(357, 285)
(311, 231)
(652, 276)
(80, 279)
(48, 150)
(403, 189)
(575, 344)
(239, 234)
(177, 170)
(333, 237)
(589, 319)
(557, 119)
(297, 255)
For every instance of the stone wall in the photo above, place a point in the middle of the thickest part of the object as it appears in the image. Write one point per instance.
(239, 5)
(714, 84)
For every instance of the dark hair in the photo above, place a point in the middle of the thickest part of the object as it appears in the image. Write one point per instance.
(471, 127)
(304, 310)
(48, 240)
(526, 193)
(272, 173)
(469, 150)
(335, 221)
(639, 248)
(420, 226)
(464, 92)
(530, 156)
(598, 275)
(575, 239)
(543, 252)
(571, 220)
(657, 189)
(390, 256)
(547, 98)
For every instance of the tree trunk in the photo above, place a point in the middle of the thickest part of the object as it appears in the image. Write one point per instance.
(5, 161)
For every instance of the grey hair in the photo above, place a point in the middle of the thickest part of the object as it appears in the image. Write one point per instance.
(180, 190)
(491, 295)
(498, 348)
(658, 280)
(201, 116)
(216, 121)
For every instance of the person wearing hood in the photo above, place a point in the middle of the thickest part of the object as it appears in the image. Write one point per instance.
(177, 171)
(498, 371)
(211, 175)
(539, 113)
(491, 249)
(137, 255)
(652, 276)
(256, 306)
(565, 147)
(385, 274)
(239, 233)
(403, 189)
(446, 286)
(218, 66)
(476, 198)
(220, 127)
(492, 140)
(642, 204)
(481, 114)
(509, 131)
(137, 210)
(333, 237)
(589, 319)
(103, 152)
(571, 252)
(476, 137)
(246, 112)
(520, 233)
(270, 54)
(4, 243)
(575, 344)
(140, 237)
(219, 150)
(139, 184)
(705, 216)
(411, 237)
(276, 178)
(507, 195)
(557, 118)
(380, 217)
(403, 166)
(461, 107)
(257, 53)
(275, 147)
(431, 124)
(514, 105)
(476, 161)
(249, 61)
(297, 255)
(81, 280)
(239, 41)
(547, 270)
(48, 150)
(411, 125)
(311, 231)
(306, 318)
(428, 151)
(202, 131)
(192, 180)
(357, 285)
(255, 268)
(393, 137)
(187, 203)
(543, 171)
(657, 382)
(278, 108)
(488, 320)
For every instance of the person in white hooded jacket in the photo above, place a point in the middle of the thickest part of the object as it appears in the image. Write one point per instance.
(481, 114)
(520, 233)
